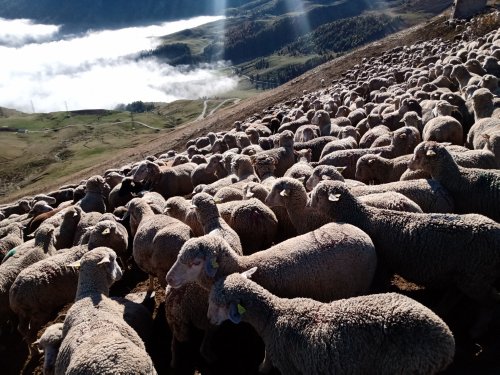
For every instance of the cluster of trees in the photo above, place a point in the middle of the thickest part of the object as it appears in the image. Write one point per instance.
(136, 107)
(344, 35)
(284, 74)
(253, 39)
(174, 54)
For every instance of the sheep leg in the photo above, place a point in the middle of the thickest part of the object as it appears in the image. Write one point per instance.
(206, 345)
(151, 285)
(267, 364)
(487, 311)
(449, 300)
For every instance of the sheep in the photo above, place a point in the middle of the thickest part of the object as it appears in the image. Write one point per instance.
(93, 199)
(391, 200)
(96, 339)
(26, 254)
(123, 192)
(20, 207)
(306, 132)
(432, 250)
(372, 134)
(243, 172)
(46, 286)
(228, 194)
(339, 144)
(324, 172)
(65, 233)
(483, 104)
(475, 137)
(168, 181)
(157, 240)
(212, 222)
(335, 261)
(443, 128)
(283, 155)
(208, 172)
(404, 141)
(493, 144)
(301, 170)
(379, 170)
(381, 333)
(292, 195)
(49, 343)
(430, 195)
(316, 145)
(473, 190)
(180, 209)
(12, 237)
(255, 223)
(463, 76)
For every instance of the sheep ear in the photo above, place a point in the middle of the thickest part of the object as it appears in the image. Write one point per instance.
(285, 192)
(74, 264)
(301, 179)
(106, 231)
(430, 153)
(249, 194)
(248, 273)
(211, 267)
(104, 260)
(235, 312)
(341, 169)
(334, 197)
(371, 161)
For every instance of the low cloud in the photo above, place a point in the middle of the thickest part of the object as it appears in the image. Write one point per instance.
(15, 33)
(98, 70)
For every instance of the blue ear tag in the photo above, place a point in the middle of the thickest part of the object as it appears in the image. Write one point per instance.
(211, 267)
(9, 254)
(234, 313)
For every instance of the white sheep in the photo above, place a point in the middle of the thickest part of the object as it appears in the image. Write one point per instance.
(334, 261)
(380, 333)
(96, 339)
(157, 240)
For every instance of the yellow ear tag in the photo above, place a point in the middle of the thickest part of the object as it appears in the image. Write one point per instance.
(241, 309)
(214, 263)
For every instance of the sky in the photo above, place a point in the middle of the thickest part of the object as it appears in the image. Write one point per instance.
(43, 71)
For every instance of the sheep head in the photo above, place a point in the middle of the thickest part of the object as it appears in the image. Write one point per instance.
(227, 298)
(428, 156)
(198, 260)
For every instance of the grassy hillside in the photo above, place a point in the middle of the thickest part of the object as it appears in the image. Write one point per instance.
(38, 148)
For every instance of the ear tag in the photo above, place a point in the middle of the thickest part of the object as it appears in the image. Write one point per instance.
(106, 231)
(334, 197)
(430, 153)
(241, 309)
(214, 263)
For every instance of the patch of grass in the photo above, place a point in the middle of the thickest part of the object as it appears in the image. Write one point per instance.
(57, 145)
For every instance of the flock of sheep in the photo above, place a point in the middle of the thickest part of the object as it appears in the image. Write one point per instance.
(295, 222)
